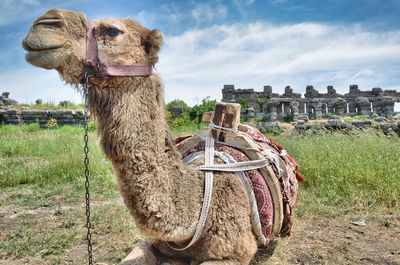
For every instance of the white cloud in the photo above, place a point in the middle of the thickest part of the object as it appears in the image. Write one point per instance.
(279, 1)
(206, 12)
(171, 13)
(31, 2)
(197, 63)
(16, 10)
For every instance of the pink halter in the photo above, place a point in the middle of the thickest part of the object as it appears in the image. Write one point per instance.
(102, 70)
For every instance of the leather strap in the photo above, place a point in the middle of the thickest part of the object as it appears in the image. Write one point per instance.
(101, 70)
(238, 166)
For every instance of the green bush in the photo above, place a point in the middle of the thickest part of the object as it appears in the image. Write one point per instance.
(177, 103)
(197, 111)
(288, 118)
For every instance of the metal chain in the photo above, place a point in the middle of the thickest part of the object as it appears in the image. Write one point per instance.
(86, 172)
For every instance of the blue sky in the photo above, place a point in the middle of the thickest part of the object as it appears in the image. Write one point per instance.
(249, 43)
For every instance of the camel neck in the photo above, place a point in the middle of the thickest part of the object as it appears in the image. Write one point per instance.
(130, 117)
(132, 128)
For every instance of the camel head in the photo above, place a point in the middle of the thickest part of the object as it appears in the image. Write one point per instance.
(57, 40)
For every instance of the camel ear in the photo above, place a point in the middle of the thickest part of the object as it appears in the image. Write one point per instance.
(153, 43)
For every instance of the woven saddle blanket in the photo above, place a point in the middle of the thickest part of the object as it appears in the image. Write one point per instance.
(274, 187)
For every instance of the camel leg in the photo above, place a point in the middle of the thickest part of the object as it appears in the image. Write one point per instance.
(141, 255)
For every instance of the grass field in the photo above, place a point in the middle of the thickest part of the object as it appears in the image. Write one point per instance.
(42, 169)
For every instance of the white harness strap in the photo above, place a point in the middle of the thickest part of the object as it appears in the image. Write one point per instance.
(236, 166)
(231, 166)
(208, 161)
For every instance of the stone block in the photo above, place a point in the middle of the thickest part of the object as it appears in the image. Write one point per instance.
(266, 126)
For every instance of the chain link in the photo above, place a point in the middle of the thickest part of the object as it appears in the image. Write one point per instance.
(86, 172)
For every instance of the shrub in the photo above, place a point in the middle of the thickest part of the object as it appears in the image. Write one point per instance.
(51, 124)
(177, 103)
(288, 118)
(197, 111)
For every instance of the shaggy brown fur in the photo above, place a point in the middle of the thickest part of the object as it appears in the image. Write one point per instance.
(163, 194)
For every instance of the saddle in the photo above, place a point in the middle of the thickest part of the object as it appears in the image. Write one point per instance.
(268, 173)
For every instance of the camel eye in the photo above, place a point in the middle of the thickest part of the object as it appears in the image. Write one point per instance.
(112, 32)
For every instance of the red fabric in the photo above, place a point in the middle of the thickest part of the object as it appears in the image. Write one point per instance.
(261, 139)
(261, 191)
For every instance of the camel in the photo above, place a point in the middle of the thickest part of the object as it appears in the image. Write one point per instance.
(163, 194)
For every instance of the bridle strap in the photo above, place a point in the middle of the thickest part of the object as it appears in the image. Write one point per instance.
(102, 70)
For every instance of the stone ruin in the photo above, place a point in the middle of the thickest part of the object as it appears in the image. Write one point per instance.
(5, 100)
(11, 113)
(314, 105)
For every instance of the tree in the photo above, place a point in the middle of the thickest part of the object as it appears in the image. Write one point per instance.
(244, 103)
(261, 102)
(197, 110)
(177, 103)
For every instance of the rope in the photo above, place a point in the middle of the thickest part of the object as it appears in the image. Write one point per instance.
(214, 126)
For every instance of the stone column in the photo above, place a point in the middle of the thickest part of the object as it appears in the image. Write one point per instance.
(318, 110)
(273, 113)
(340, 106)
(376, 105)
(273, 109)
(387, 105)
(295, 110)
(301, 107)
(363, 106)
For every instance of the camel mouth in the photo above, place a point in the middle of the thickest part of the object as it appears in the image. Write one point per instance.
(35, 48)
(44, 48)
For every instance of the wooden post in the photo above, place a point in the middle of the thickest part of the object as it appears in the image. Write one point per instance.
(226, 115)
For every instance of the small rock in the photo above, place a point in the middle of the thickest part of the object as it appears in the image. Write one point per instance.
(57, 212)
(301, 122)
(374, 115)
(380, 119)
(359, 222)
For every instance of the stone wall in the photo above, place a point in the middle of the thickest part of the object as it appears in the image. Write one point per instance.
(13, 113)
(63, 117)
(314, 105)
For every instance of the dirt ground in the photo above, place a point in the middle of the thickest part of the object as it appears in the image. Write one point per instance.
(314, 240)
(322, 240)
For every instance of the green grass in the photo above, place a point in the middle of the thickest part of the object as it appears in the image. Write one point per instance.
(53, 106)
(50, 238)
(346, 172)
(355, 118)
(189, 128)
(40, 163)
(351, 171)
